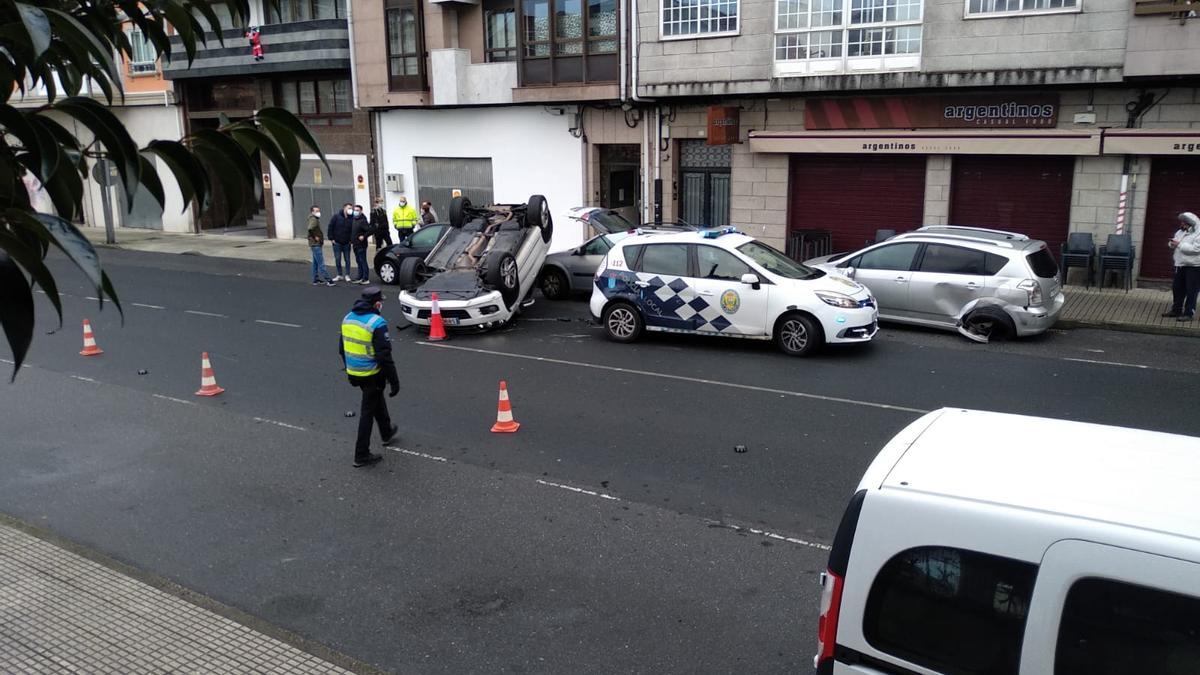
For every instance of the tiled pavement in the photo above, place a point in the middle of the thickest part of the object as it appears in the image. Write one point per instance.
(63, 613)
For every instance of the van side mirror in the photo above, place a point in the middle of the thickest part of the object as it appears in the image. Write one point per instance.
(752, 280)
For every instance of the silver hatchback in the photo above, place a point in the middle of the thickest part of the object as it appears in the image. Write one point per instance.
(986, 284)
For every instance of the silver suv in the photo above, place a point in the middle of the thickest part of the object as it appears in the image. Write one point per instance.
(987, 284)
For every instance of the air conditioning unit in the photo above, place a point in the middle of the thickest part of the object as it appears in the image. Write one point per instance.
(394, 182)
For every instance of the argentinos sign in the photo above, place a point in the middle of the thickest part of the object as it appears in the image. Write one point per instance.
(1017, 111)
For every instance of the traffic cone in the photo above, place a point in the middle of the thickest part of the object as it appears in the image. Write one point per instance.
(89, 341)
(437, 331)
(208, 382)
(505, 424)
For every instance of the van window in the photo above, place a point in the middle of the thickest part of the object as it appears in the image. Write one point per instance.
(1111, 627)
(669, 260)
(956, 611)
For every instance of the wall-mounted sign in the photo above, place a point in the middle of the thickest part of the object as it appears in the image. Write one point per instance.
(455, 193)
(931, 142)
(723, 125)
(958, 111)
(1152, 142)
(266, 181)
(361, 183)
(317, 177)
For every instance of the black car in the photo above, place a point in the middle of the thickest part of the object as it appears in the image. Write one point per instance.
(387, 261)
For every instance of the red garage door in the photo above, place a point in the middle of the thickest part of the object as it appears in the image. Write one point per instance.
(1029, 195)
(1174, 187)
(854, 195)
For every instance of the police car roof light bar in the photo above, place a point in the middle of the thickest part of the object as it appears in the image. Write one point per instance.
(713, 234)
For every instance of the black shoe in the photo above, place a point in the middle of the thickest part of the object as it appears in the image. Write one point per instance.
(1170, 315)
(392, 434)
(370, 459)
(329, 282)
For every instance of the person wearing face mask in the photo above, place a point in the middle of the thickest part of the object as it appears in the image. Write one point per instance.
(341, 231)
(366, 350)
(379, 226)
(428, 215)
(316, 241)
(404, 219)
(1185, 251)
(360, 236)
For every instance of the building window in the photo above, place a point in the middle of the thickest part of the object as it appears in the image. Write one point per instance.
(694, 18)
(985, 8)
(819, 37)
(500, 30)
(406, 67)
(141, 55)
(288, 11)
(568, 41)
(318, 102)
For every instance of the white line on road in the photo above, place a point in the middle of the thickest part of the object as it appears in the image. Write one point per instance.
(278, 323)
(141, 304)
(285, 425)
(579, 490)
(82, 378)
(770, 535)
(681, 378)
(1109, 363)
(173, 399)
(91, 298)
(414, 453)
(198, 313)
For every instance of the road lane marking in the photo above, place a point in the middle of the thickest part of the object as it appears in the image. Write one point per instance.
(414, 453)
(141, 304)
(1109, 363)
(91, 298)
(173, 399)
(82, 378)
(278, 323)
(285, 425)
(681, 378)
(198, 313)
(769, 535)
(579, 490)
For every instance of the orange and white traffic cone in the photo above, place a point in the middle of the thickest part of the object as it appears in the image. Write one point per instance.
(437, 331)
(90, 348)
(505, 424)
(208, 382)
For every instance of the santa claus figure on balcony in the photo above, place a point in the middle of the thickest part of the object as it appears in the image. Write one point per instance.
(255, 39)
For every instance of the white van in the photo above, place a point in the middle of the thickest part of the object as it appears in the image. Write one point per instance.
(992, 544)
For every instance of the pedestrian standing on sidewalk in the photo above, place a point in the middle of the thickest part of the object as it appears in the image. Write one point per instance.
(316, 242)
(428, 215)
(1185, 250)
(360, 236)
(404, 219)
(341, 228)
(380, 227)
(366, 350)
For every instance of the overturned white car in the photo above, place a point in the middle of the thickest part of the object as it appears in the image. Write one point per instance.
(483, 269)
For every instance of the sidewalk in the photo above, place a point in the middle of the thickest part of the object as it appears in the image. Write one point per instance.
(63, 613)
(1110, 308)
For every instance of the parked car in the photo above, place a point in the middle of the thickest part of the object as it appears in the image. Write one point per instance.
(572, 271)
(484, 268)
(723, 282)
(998, 544)
(419, 245)
(600, 220)
(986, 284)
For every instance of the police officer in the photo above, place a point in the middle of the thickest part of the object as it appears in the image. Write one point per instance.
(366, 350)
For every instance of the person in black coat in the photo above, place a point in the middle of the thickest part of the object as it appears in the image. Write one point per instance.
(360, 236)
(340, 232)
(380, 226)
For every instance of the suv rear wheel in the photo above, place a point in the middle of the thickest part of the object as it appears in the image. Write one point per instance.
(988, 324)
(622, 322)
(798, 335)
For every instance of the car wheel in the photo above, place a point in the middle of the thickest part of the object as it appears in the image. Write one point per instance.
(412, 273)
(387, 272)
(458, 211)
(798, 335)
(500, 272)
(537, 214)
(987, 324)
(554, 284)
(622, 322)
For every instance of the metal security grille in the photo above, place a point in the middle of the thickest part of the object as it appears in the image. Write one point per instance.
(328, 188)
(438, 177)
(701, 155)
(704, 183)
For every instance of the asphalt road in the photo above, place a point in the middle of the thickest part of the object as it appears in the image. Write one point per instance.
(618, 530)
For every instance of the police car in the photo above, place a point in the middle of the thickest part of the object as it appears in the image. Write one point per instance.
(723, 282)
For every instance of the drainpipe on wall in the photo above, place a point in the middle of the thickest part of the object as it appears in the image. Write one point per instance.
(353, 66)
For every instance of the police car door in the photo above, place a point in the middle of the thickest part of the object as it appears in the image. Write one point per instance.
(728, 306)
(666, 294)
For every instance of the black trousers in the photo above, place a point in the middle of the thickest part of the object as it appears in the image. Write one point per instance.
(372, 411)
(383, 238)
(1184, 289)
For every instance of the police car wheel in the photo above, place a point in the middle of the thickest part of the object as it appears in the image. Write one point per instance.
(797, 335)
(622, 322)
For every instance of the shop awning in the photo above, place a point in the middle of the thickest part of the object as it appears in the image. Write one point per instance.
(1152, 142)
(931, 142)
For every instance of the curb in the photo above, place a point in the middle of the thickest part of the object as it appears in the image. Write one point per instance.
(119, 247)
(1128, 327)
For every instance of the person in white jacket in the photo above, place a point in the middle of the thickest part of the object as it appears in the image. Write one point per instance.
(1185, 248)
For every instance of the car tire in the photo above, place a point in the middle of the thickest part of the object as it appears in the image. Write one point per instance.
(798, 334)
(622, 322)
(458, 211)
(988, 324)
(554, 284)
(411, 273)
(537, 214)
(388, 272)
(500, 272)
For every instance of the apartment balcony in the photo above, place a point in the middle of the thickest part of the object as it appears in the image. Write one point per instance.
(1164, 39)
(302, 46)
(454, 80)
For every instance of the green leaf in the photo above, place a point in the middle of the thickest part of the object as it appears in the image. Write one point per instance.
(69, 29)
(286, 142)
(214, 23)
(182, 21)
(31, 260)
(252, 139)
(287, 123)
(37, 26)
(188, 171)
(117, 142)
(152, 184)
(227, 172)
(16, 310)
(18, 124)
